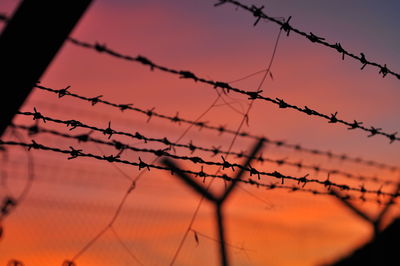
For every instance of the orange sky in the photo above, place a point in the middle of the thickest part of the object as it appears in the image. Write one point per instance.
(71, 200)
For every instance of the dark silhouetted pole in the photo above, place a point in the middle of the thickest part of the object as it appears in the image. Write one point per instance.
(28, 44)
(218, 201)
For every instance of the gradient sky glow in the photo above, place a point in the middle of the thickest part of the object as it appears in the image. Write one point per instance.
(71, 200)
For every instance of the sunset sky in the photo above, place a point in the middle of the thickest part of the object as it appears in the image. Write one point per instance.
(73, 200)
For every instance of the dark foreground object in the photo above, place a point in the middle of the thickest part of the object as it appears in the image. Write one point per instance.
(382, 250)
(28, 44)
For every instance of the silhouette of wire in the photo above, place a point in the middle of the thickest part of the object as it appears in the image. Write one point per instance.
(301, 181)
(258, 13)
(120, 146)
(224, 164)
(221, 129)
(197, 233)
(125, 246)
(226, 88)
(248, 76)
(109, 131)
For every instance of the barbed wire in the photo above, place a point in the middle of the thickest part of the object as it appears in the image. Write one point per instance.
(259, 14)
(221, 129)
(109, 131)
(119, 146)
(253, 171)
(226, 88)
(76, 153)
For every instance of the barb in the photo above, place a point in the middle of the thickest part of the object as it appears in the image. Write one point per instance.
(259, 14)
(120, 146)
(252, 95)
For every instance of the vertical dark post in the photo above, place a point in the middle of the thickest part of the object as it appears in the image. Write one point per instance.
(28, 44)
(221, 234)
(218, 201)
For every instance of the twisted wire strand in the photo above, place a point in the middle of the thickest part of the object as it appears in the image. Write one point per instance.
(259, 14)
(253, 95)
(221, 129)
(118, 145)
(253, 171)
(75, 153)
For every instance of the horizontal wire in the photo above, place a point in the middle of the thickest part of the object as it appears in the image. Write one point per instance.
(75, 153)
(284, 24)
(282, 104)
(35, 129)
(109, 131)
(221, 129)
(226, 88)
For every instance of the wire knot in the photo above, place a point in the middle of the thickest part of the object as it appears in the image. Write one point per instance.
(37, 115)
(363, 61)
(340, 49)
(100, 47)
(63, 92)
(123, 107)
(286, 27)
(384, 71)
(34, 145)
(333, 118)
(201, 173)
(282, 103)
(142, 165)
(355, 125)
(111, 158)
(188, 75)
(145, 61)
(226, 164)
(257, 12)
(314, 38)
(74, 153)
(74, 124)
(108, 131)
(374, 131)
(95, 100)
(253, 94)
